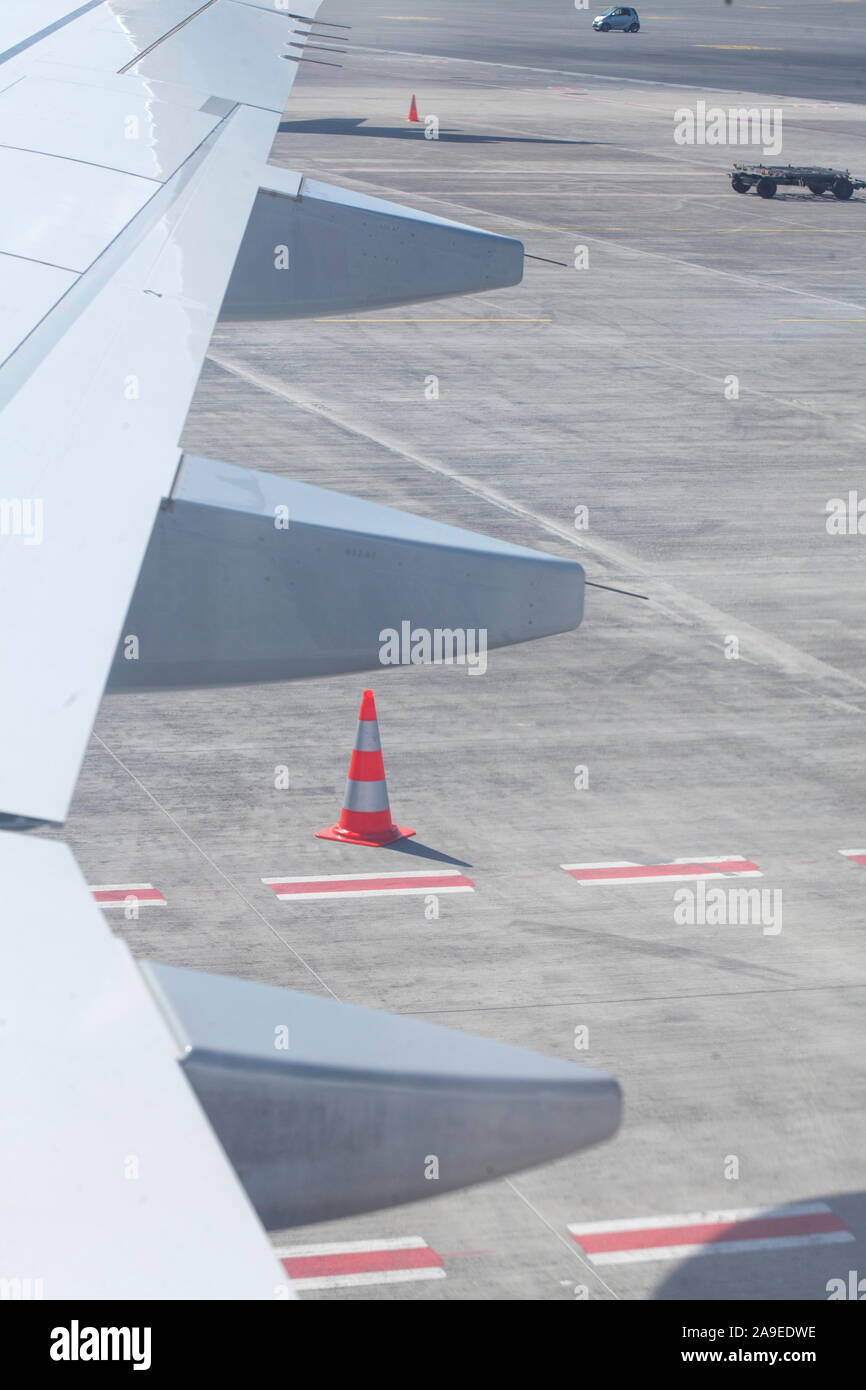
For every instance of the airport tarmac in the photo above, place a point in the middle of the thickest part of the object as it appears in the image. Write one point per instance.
(696, 386)
(793, 47)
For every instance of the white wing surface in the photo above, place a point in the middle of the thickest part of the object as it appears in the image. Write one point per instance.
(113, 1183)
(133, 138)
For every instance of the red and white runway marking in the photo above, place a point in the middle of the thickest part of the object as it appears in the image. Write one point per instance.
(371, 885)
(709, 1233)
(699, 866)
(344, 1265)
(857, 856)
(119, 894)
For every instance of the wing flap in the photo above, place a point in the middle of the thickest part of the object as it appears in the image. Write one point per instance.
(308, 581)
(327, 1109)
(346, 251)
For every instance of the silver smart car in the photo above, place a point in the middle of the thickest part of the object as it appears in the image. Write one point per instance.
(618, 17)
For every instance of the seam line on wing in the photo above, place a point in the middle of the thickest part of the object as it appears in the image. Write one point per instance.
(49, 29)
(162, 38)
(91, 280)
(91, 163)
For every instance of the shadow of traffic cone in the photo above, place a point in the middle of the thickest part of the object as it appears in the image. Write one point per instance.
(413, 111)
(366, 817)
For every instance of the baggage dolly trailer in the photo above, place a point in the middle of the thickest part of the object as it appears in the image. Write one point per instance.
(765, 179)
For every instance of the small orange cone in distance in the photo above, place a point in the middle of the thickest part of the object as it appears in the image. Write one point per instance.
(413, 111)
(366, 816)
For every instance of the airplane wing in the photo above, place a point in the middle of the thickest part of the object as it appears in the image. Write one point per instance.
(137, 205)
(134, 138)
(110, 1176)
(148, 1113)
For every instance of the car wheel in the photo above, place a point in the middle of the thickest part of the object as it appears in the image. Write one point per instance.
(766, 188)
(604, 28)
(740, 185)
(843, 188)
(633, 28)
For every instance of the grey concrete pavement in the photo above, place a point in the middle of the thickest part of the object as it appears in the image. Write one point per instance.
(607, 387)
(800, 48)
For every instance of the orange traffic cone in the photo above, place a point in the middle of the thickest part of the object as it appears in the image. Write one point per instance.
(413, 111)
(366, 817)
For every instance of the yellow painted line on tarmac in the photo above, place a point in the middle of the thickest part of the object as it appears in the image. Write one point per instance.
(660, 231)
(555, 192)
(697, 231)
(336, 320)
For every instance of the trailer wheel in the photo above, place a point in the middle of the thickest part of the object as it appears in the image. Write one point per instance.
(843, 188)
(739, 185)
(817, 188)
(766, 188)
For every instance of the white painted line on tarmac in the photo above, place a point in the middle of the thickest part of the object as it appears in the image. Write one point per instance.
(738, 1232)
(347, 1264)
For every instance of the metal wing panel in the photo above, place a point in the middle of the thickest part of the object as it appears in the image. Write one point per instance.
(126, 84)
(28, 291)
(63, 212)
(125, 130)
(222, 47)
(142, 21)
(21, 20)
(89, 435)
(231, 50)
(126, 1193)
(102, 34)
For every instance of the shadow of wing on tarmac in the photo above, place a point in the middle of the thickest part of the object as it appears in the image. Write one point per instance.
(355, 125)
(412, 847)
(809, 1250)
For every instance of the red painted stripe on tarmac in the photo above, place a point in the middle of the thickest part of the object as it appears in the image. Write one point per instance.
(759, 1228)
(726, 866)
(359, 1262)
(370, 885)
